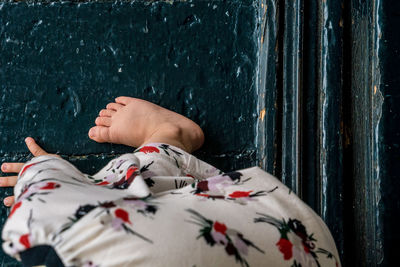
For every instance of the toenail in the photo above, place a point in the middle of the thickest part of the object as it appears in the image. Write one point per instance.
(91, 133)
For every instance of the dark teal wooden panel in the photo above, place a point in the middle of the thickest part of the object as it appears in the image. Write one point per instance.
(305, 89)
(366, 108)
(389, 128)
(310, 107)
(61, 63)
(291, 89)
(335, 148)
(376, 130)
(328, 182)
(72, 59)
(267, 129)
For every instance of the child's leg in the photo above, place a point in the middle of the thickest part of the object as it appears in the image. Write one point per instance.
(162, 167)
(259, 205)
(164, 138)
(135, 122)
(244, 217)
(52, 188)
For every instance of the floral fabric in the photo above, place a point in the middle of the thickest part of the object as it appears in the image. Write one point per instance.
(161, 206)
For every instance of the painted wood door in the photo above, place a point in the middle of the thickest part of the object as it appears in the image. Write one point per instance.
(305, 89)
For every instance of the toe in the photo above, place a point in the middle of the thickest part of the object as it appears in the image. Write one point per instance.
(124, 100)
(103, 121)
(106, 112)
(114, 106)
(99, 134)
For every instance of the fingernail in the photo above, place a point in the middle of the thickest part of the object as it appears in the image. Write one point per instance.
(27, 140)
(4, 167)
(7, 202)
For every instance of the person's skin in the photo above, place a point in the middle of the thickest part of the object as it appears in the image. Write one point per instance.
(9, 167)
(134, 122)
(128, 121)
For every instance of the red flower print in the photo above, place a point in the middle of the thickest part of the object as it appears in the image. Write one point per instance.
(130, 172)
(217, 233)
(296, 229)
(149, 149)
(306, 249)
(123, 215)
(50, 185)
(24, 240)
(238, 194)
(203, 195)
(25, 168)
(220, 227)
(14, 208)
(202, 186)
(103, 183)
(285, 246)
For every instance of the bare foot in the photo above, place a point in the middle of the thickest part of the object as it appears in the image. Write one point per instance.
(135, 122)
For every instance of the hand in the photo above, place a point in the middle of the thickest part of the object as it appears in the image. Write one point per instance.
(9, 167)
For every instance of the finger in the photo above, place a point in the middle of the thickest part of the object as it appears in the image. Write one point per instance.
(8, 181)
(9, 167)
(34, 148)
(9, 201)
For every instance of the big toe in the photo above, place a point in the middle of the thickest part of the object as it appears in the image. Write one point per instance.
(124, 100)
(100, 134)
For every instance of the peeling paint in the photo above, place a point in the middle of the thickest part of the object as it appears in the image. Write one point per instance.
(262, 114)
(377, 103)
(265, 137)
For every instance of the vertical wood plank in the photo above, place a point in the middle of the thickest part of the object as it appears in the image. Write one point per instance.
(329, 117)
(291, 88)
(366, 102)
(321, 123)
(387, 128)
(267, 131)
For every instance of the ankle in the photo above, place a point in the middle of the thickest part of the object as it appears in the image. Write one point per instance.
(178, 136)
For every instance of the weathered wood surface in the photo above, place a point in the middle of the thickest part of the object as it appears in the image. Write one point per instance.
(305, 89)
(62, 62)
